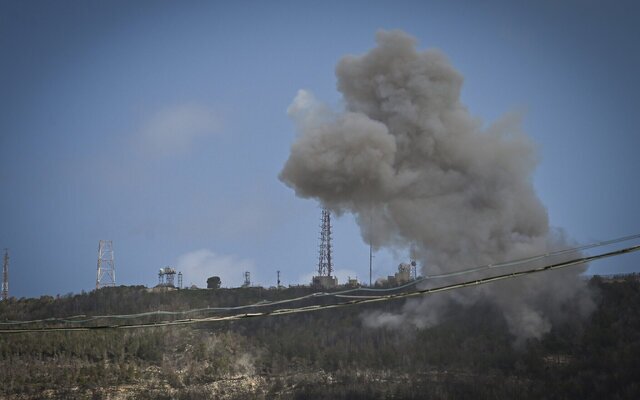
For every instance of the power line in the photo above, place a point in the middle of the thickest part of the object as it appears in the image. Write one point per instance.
(374, 299)
(338, 294)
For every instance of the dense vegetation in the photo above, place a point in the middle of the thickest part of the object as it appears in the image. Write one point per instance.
(322, 355)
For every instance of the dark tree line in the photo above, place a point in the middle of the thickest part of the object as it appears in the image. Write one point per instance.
(326, 354)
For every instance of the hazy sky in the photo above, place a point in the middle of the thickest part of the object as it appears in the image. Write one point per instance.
(162, 126)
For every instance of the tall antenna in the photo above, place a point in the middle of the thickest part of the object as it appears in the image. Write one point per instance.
(106, 265)
(5, 276)
(325, 268)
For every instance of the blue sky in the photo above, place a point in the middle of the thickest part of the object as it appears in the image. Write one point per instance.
(162, 126)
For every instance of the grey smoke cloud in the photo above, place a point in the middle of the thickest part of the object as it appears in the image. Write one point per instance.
(419, 171)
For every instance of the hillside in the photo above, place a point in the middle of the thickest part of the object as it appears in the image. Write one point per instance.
(322, 355)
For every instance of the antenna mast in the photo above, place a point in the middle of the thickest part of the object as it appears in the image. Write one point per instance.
(325, 268)
(106, 275)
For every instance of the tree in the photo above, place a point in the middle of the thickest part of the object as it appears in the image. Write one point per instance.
(213, 282)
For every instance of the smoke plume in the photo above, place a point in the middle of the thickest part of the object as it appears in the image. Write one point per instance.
(419, 172)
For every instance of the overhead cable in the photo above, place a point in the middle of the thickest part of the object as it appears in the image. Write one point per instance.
(382, 298)
(340, 294)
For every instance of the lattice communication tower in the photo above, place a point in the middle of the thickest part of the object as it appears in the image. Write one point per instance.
(325, 268)
(106, 265)
(247, 279)
(166, 277)
(5, 276)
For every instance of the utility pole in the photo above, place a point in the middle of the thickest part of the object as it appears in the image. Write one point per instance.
(5, 276)
(278, 279)
(370, 262)
(371, 249)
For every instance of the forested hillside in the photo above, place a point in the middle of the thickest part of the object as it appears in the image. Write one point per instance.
(326, 354)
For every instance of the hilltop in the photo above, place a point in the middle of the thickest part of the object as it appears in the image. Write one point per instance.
(327, 354)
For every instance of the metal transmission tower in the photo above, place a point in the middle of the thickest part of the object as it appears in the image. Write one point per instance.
(5, 276)
(324, 279)
(106, 265)
(325, 268)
